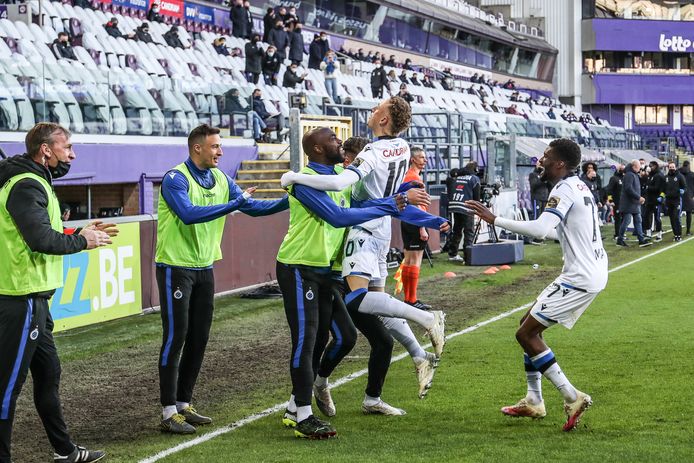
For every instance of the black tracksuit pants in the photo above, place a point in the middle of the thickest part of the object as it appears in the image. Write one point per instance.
(673, 210)
(26, 343)
(463, 227)
(652, 211)
(314, 308)
(187, 303)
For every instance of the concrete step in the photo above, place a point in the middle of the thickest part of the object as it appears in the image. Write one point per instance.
(273, 151)
(248, 174)
(269, 193)
(261, 184)
(264, 165)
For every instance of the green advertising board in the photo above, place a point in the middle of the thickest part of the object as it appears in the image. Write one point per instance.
(101, 284)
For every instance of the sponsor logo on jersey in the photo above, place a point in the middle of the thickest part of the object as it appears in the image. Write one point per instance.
(553, 202)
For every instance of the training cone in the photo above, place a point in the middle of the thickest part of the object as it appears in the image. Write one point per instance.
(449, 275)
(505, 267)
(496, 269)
(491, 271)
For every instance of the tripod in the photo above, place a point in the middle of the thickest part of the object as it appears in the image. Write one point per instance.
(491, 231)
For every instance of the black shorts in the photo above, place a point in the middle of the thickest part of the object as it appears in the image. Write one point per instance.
(410, 237)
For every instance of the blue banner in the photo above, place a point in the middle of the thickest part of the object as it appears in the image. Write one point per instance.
(199, 13)
(136, 4)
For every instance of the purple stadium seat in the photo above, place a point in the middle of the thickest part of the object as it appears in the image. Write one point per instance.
(165, 64)
(194, 69)
(131, 62)
(11, 44)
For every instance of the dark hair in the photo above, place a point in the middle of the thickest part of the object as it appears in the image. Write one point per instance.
(354, 145)
(41, 133)
(64, 207)
(200, 133)
(400, 115)
(586, 165)
(471, 167)
(567, 151)
(269, 10)
(60, 34)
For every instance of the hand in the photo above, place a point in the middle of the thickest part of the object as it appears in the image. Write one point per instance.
(287, 179)
(423, 235)
(681, 192)
(418, 197)
(481, 211)
(445, 227)
(641, 200)
(599, 204)
(95, 238)
(111, 229)
(660, 199)
(401, 201)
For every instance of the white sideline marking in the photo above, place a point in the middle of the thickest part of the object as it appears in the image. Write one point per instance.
(352, 376)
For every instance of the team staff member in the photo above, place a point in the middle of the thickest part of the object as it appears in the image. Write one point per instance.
(461, 187)
(539, 190)
(312, 301)
(675, 187)
(195, 198)
(414, 239)
(32, 244)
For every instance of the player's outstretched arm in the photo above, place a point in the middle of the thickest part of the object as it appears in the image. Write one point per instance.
(417, 217)
(321, 182)
(254, 207)
(541, 228)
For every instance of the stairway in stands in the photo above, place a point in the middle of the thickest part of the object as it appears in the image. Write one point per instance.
(265, 172)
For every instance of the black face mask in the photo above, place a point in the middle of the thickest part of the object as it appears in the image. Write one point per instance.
(60, 170)
(672, 171)
(279, 28)
(297, 29)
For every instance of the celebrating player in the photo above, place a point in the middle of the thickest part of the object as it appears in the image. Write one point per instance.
(381, 167)
(571, 216)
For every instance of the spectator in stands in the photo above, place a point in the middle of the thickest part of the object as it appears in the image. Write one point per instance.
(219, 45)
(254, 57)
(571, 117)
(296, 45)
(279, 39)
(591, 178)
(514, 96)
(248, 17)
(393, 84)
(268, 21)
(403, 77)
(84, 4)
(232, 104)
(475, 79)
(482, 92)
(360, 55)
(315, 53)
(472, 91)
(509, 85)
(62, 48)
(271, 66)
(408, 65)
(448, 81)
(237, 14)
(688, 199)
(172, 39)
(292, 16)
(273, 121)
(675, 187)
(112, 29)
(291, 78)
(153, 14)
(655, 190)
(551, 114)
(325, 43)
(486, 107)
(495, 107)
(614, 193)
(329, 68)
(369, 57)
(630, 204)
(378, 80)
(391, 61)
(282, 14)
(405, 94)
(513, 110)
(415, 81)
(426, 82)
(142, 33)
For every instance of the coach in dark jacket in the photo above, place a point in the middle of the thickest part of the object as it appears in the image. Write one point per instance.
(296, 45)
(143, 35)
(268, 22)
(630, 204)
(237, 14)
(655, 188)
(379, 79)
(254, 58)
(675, 188)
(688, 199)
(614, 194)
(291, 78)
(271, 66)
(31, 245)
(248, 17)
(315, 53)
(279, 39)
(61, 46)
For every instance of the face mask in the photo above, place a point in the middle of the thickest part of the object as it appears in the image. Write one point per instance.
(672, 171)
(271, 54)
(324, 38)
(60, 170)
(279, 28)
(378, 66)
(156, 9)
(298, 29)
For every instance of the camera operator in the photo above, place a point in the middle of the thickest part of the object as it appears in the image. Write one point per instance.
(462, 185)
(655, 191)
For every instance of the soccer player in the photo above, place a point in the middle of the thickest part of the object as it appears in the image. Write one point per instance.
(381, 167)
(571, 216)
(313, 303)
(195, 198)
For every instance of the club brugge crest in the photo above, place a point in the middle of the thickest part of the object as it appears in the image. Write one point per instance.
(309, 295)
(34, 334)
(178, 294)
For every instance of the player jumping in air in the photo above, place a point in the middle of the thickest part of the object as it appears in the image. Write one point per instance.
(571, 216)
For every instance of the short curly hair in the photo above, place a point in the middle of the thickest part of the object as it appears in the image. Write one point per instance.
(400, 115)
(568, 151)
(354, 145)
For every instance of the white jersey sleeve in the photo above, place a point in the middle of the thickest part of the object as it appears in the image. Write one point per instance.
(561, 200)
(365, 161)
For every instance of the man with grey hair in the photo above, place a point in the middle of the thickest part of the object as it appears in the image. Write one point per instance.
(630, 204)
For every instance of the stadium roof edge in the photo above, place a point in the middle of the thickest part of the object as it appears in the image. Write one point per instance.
(127, 139)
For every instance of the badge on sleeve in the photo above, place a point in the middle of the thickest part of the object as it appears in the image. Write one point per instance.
(357, 162)
(553, 202)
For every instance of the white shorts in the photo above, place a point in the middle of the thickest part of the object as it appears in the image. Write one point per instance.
(561, 303)
(365, 256)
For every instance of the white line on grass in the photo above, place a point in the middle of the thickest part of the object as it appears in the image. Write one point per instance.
(352, 376)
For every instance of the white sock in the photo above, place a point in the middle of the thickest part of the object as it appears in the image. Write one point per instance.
(169, 411)
(368, 400)
(534, 395)
(557, 377)
(377, 303)
(320, 381)
(292, 405)
(303, 412)
(182, 405)
(401, 331)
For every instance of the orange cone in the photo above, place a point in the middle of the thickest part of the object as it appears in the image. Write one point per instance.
(496, 269)
(491, 271)
(449, 275)
(505, 267)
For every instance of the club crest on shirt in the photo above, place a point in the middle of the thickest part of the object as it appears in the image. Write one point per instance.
(309, 295)
(553, 202)
(177, 294)
(34, 334)
(357, 162)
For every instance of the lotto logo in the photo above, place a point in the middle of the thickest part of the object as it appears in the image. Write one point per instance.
(675, 43)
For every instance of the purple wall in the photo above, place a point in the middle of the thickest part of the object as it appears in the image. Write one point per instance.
(639, 35)
(124, 163)
(643, 89)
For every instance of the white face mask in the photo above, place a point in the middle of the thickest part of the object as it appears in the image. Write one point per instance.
(271, 54)
(378, 66)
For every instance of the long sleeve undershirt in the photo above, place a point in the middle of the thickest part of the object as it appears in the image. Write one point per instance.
(541, 228)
